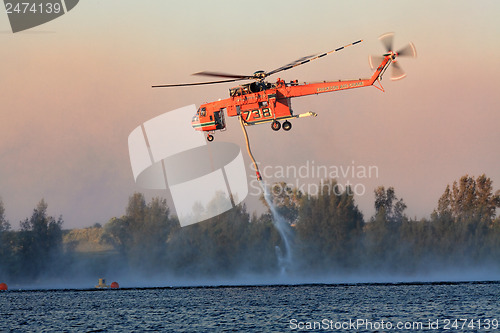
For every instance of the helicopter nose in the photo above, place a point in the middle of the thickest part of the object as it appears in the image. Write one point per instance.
(195, 122)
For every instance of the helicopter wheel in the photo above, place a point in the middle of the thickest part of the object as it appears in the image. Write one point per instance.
(210, 138)
(287, 126)
(275, 125)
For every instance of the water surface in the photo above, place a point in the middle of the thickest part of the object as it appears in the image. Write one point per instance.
(257, 308)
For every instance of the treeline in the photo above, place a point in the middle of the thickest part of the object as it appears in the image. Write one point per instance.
(328, 233)
(35, 249)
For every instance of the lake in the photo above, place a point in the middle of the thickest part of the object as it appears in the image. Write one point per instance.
(363, 307)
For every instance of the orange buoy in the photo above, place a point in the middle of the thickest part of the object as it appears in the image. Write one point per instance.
(114, 285)
(3, 286)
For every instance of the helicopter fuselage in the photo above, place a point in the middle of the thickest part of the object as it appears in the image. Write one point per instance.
(263, 102)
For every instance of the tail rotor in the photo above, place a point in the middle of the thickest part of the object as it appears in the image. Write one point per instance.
(409, 50)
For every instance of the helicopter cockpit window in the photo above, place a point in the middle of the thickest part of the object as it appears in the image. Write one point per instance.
(203, 112)
(235, 92)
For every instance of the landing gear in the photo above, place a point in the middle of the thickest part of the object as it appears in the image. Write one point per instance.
(275, 125)
(287, 126)
(210, 138)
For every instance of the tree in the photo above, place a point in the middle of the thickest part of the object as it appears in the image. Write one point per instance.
(4, 224)
(465, 218)
(383, 231)
(141, 234)
(469, 199)
(329, 227)
(117, 233)
(215, 247)
(5, 250)
(40, 241)
(388, 206)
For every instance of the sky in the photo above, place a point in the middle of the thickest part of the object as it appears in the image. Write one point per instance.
(73, 89)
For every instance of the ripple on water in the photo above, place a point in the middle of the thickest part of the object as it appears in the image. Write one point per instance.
(257, 308)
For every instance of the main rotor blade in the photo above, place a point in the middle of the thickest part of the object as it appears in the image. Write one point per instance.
(218, 74)
(387, 39)
(307, 59)
(194, 84)
(397, 72)
(408, 51)
(292, 64)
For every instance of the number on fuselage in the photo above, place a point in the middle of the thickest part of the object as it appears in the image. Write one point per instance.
(257, 115)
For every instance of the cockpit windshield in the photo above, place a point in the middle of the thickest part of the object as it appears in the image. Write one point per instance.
(202, 112)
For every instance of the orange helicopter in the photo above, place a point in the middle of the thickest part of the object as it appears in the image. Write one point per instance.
(261, 102)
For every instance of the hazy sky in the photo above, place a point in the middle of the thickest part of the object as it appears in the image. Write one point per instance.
(73, 89)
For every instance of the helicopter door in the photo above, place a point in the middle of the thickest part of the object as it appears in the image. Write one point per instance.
(219, 119)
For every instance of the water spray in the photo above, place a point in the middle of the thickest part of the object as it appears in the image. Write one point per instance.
(279, 222)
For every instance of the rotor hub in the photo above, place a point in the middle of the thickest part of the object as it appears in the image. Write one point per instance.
(259, 75)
